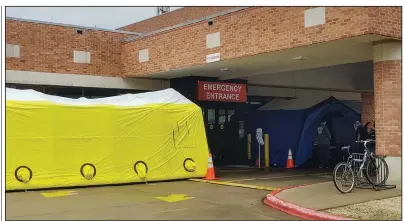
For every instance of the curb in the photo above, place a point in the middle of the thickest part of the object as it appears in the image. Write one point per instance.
(236, 185)
(295, 210)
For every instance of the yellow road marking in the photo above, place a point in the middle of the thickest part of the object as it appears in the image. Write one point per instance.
(174, 198)
(58, 193)
(279, 177)
(264, 178)
(173, 210)
(237, 185)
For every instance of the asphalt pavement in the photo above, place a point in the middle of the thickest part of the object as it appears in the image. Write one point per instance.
(163, 200)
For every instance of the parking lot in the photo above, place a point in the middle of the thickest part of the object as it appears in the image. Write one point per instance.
(162, 200)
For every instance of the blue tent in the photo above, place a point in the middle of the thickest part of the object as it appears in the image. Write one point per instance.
(297, 129)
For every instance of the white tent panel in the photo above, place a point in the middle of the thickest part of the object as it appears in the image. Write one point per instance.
(156, 97)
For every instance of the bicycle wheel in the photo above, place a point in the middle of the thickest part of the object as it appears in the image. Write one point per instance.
(343, 177)
(377, 171)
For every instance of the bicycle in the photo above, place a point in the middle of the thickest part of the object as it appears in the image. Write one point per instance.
(358, 167)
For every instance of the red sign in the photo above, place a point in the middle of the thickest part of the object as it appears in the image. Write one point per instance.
(219, 91)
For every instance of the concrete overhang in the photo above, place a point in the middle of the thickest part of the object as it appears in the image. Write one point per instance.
(90, 81)
(348, 60)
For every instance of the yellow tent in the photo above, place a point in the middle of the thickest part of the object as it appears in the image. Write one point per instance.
(61, 142)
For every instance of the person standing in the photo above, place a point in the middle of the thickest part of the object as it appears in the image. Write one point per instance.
(323, 141)
(373, 132)
(366, 132)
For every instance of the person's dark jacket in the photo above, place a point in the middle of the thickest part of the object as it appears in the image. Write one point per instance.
(372, 135)
(323, 136)
(364, 134)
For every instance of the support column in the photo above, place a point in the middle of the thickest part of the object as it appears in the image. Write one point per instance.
(367, 108)
(387, 103)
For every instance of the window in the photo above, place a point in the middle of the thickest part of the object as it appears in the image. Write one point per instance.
(229, 114)
(211, 116)
(314, 16)
(213, 40)
(82, 57)
(12, 51)
(240, 129)
(143, 55)
(222, 116)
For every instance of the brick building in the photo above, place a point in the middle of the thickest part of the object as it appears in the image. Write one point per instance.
(352, 53)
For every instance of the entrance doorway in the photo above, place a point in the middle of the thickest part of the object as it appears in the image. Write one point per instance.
(225, 130)
(224, 106)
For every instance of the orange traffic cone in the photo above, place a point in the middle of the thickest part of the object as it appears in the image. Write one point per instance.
(289, 162)
(210, 175)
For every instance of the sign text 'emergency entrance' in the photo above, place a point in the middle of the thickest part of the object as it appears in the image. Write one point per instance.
(218, 91)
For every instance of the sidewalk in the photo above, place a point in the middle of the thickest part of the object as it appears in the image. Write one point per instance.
(323, 196)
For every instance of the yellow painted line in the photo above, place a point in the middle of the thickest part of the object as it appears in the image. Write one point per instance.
(236, 185)
(279, 177)
(173, 210)
(266, 178)
(174, 198)
(58, 193)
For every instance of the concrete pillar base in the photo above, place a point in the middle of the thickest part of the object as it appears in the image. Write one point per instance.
(394, 164)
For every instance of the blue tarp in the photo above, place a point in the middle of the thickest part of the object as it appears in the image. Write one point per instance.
(279, 125)
(296, 129)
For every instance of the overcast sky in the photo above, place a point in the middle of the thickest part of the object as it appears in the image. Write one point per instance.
(101, 17)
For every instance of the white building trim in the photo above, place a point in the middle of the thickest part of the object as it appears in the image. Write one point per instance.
(72, 26)
(77, 80)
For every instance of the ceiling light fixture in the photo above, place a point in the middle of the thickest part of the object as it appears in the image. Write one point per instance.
(224, 69)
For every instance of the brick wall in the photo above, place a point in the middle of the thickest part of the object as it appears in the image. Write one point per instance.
(253, 31)
(173, 18)
(367, 108)
(388, 104)
(49, 48)
(386, 21)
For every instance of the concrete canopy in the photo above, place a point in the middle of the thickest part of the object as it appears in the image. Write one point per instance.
(342, 65)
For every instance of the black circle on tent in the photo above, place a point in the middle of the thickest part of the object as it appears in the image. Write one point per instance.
(91, 165)
(18, 178)
(185, 161)
(141, 162)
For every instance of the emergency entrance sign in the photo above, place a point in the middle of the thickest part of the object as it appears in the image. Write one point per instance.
(224, 92)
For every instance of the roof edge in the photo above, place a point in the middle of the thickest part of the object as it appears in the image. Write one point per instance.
(71, 26)
(189, 22)
(148, 19)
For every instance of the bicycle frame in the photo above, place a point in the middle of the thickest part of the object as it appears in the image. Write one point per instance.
(359, 166)
(355, 158)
